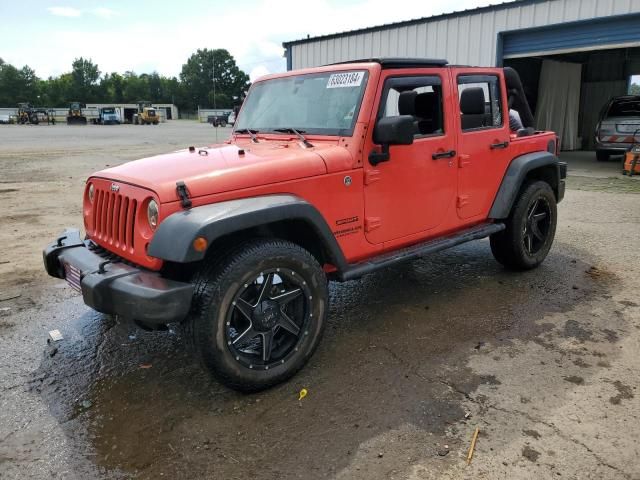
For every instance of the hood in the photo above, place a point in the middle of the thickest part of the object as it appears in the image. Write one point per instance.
(217, 169)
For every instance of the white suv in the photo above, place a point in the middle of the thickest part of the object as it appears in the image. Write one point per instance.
(619, 123)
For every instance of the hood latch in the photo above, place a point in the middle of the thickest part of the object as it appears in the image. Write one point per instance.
(183, 193)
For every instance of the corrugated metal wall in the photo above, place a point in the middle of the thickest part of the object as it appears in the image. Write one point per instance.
(468, 38)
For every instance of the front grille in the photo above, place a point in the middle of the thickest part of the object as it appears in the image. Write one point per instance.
(114, 219)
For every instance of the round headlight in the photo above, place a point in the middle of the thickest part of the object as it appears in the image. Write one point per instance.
(152, 214)
(91, 192)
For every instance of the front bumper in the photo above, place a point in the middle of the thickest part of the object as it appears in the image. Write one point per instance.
(117, 288)
(562, 180)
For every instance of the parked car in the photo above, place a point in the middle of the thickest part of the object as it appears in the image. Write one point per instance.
(331, 173)
(218, 120)
(619, 120)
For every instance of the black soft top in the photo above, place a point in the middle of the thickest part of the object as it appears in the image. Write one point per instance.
(400, 62)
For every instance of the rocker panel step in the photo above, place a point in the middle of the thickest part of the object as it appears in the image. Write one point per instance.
(356, 270)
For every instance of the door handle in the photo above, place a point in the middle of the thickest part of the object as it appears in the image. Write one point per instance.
(447, 154)
(493, 146)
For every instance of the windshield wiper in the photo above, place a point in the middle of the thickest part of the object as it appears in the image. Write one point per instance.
(252, 133)
(298, 133)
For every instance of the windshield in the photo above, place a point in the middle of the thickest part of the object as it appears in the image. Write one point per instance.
(108, 110)
(625, 108)
(319, 103)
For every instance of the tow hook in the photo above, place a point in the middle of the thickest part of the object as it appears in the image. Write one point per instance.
(102, 265)
(60, 239)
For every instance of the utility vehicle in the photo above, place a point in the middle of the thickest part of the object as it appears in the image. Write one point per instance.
(331, 173)
(108, 116)
(147, 114)
(75, 115)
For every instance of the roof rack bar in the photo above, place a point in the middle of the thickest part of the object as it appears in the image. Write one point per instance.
(399, 62)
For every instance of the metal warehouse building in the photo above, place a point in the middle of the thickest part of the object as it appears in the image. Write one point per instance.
(572, 55)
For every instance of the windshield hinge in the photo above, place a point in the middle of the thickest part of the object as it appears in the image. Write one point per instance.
(183, 193)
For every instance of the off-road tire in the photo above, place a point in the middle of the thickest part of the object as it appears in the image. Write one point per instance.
(602, 156)
(216, 284)
(508, 246)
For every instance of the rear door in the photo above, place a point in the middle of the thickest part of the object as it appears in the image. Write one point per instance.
(483, 140)
(412, 192)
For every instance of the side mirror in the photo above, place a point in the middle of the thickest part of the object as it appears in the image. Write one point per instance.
(388, 131)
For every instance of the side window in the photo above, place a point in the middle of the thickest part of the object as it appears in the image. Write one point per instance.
(480, 102)
(420, 97)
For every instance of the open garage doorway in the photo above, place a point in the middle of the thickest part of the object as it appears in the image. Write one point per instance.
(599, 76)
(571, 71)
(604, 74)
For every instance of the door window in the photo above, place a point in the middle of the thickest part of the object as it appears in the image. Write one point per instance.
(420, 97)
(480, 102)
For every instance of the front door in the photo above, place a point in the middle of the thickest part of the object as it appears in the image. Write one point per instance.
(483, 143)
(411, 193)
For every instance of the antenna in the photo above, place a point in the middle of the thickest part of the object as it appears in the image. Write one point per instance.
(213, 78)
(213, 75)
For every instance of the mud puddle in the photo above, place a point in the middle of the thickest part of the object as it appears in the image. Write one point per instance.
(394, 355)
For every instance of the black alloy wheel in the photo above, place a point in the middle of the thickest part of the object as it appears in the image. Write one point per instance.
(258, 312)
(537, 226)
(529, 229)
(268, 318)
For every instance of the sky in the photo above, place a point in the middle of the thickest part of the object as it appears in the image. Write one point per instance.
(146, 36)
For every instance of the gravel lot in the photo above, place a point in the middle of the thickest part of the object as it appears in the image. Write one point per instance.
(545, 362)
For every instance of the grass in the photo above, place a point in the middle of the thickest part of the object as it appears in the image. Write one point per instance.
(610, 184)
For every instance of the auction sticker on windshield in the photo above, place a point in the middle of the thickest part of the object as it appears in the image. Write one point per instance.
(347, 79)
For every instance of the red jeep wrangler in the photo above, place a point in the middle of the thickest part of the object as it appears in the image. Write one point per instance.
(330, 173)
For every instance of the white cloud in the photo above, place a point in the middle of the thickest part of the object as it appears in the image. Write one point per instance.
(64, 11)
(258, 72)
(104, 12)
(255, 39)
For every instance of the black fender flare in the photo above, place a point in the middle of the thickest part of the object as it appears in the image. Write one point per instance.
(517, 171)
(173, 241)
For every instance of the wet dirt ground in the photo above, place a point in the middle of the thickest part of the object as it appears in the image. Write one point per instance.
(545, 362)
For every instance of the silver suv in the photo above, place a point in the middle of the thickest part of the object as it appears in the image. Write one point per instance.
(619, 122)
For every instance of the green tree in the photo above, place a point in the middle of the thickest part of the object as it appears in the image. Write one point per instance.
(58, 91)
(135, 87)
(634, 89)
(85, 75)
(30, 83)
(9, 84)
(84, 83)
(198, 76)
(112, 88)
(18, 85)
(154, 84)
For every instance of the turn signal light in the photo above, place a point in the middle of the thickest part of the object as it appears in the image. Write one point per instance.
(200, 244)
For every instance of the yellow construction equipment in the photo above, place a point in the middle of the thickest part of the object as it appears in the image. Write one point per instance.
(146, 115)
(75, 116)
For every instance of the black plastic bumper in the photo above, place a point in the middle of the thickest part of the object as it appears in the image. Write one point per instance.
(117, 288)
(562, 179)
